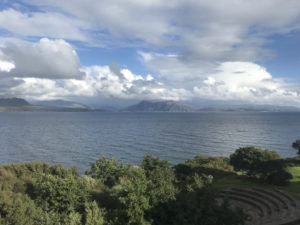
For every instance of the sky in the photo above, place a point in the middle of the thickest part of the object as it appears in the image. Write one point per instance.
(119, 52)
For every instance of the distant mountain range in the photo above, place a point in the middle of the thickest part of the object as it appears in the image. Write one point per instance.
(19, 104)
(173, 106)
(161, 106)
(60, 103)
(13, 102)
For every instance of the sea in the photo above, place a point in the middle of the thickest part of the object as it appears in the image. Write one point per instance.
(80, 138)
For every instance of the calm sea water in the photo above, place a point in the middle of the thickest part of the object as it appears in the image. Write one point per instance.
(81, 138)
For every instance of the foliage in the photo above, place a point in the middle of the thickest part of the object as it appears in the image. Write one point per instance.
(17, 209)
(134, 196)
(72, 219)
(151, 163)
(279, 177)
(162, 177)
(59, 194)
(196, 207)
(220, 163)
(108, 171)
(250, 159)
(93, 214)
(263, 164)
(296, 145)
(152, 193)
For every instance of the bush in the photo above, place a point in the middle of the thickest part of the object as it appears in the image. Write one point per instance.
(17, 209)
(220, 163)
(296, 145)
(280, 177)
(161, 187)
(134, 196)
(108, 171)
(58, 194)
(250, 159)
(196, 207)
(93, 214)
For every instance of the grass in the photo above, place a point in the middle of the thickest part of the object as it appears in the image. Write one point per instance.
(294, 187)
(238, 180)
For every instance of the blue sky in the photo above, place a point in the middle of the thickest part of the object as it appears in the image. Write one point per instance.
(102, 52)
(286, 62)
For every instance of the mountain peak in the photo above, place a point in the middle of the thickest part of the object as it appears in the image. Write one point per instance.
(13, 102)
(160, 106)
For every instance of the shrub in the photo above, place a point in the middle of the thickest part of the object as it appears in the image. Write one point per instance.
(134, 196)
(59, 194)
(93, 214)
(250, 159)
(280, 177)
(161, 179)
(108, 171)
(17, 209)
(296, 145)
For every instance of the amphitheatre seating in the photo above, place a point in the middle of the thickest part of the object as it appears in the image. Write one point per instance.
(264, 207)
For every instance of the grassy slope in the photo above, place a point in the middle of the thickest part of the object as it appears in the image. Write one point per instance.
(240, 181)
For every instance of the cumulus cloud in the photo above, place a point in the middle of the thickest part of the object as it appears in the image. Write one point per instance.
(201, 49)
(223, 81)
(54, 59)
(231, 82)
(245, 82)
(100, 82)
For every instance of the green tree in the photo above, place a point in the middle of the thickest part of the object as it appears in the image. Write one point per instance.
(250, 159)
(196, 207)
(59, 194)
(134, 196)
(72, 218)
(17, 209)
(296, 145)
(108, 171)
(161, 177)
(94, 215)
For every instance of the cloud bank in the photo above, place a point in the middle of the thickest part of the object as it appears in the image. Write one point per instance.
(193, 50)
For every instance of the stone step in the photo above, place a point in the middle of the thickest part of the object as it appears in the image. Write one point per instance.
(264, 204)
(274, 203)
(292, 222)
(274, 196)
(264, 207)
(287, 196)
(246, 201)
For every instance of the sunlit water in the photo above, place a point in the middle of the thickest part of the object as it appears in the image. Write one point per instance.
(81, 138)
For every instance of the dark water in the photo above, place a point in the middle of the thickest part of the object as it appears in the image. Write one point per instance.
(81, 138)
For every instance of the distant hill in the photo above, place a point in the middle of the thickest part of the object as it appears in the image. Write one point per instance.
(250, 108)
(60, 103)
(173, 106)
(15, 102)
(21, 105)
(161, 106)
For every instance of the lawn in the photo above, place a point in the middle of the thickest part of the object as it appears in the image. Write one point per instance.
(240, 181)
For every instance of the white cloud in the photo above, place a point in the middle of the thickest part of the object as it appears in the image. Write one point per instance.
(43, 24)
(6, 66)
(100, 82)
(54, 59)
(213, 46)
(245, 82)
(224, 81)
(227, 31)
(232, 81)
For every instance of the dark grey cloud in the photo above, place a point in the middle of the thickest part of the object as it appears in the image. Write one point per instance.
(115, 69)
